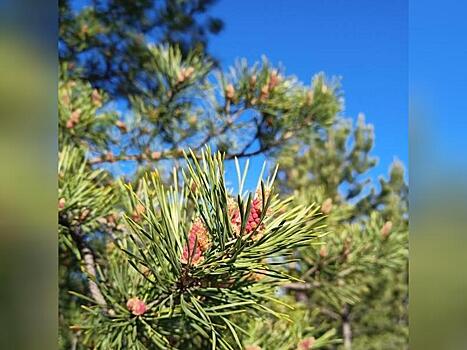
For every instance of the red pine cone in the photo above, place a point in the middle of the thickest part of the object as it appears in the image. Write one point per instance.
(198, 243)
(253, 220)
(306, 344)
(136, 306)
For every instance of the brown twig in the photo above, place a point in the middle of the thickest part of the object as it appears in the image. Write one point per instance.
(89, 261)
(346, 328)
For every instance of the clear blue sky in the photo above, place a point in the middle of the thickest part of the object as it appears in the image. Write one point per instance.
(362, 41)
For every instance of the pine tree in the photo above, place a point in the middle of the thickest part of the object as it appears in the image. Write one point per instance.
(358, 279)
(91, 203)
(105, 41)
(262, 105)
(157, 253)
(191, 259)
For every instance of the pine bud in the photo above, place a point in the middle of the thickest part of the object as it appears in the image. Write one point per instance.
(121, 125)
(140, 208)
(74, 119)
(188, 72)
(96, 98)
(326, 207)
(84, 29)
(264, 93)
(102, 221)
(323, 251)
(181, 76)
(198, 243)
(109, 157)
(252, 347)
(254, 222)
(156, 155)
(386, 229)
(184, 74)
(229, 91)
(61, 203)
(252, 81)
(255, 276)
(76, 115)
(146, 271)
(274, 79)
(111, 220)
(192, 120)
(136, 306)
(306, 344)
(84, 214)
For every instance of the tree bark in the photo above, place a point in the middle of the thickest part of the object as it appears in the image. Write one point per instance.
(90, 267)
(346, 328)
(89, 262)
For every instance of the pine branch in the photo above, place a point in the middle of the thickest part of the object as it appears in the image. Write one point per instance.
(346, 328)
(200, 254)
(89, 261)
(177, 153)
(298, 286)
(333, 315)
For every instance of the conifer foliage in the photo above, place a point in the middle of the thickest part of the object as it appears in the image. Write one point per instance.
(357, 281)
(195, 235)
(196, 260)
(157, 251)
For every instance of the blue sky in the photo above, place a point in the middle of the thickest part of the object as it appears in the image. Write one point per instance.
(364, 42)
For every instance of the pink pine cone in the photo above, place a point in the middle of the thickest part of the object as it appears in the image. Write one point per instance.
(136, 306)
(198, 243)
(306, 344)
(253, 221)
